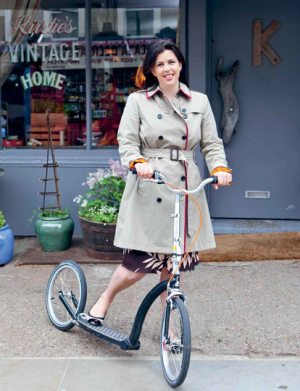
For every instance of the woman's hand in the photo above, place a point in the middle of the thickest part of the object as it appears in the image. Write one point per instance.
(144, 170)
(223, 179)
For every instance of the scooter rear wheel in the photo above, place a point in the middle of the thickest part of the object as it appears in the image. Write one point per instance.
(176, 349)
(67, 278)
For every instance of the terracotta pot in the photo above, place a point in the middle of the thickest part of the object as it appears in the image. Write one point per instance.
(98, 239)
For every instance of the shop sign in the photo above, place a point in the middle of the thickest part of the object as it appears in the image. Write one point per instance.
(25, 25)
(72, 55)
(49, 79)
(52, 52)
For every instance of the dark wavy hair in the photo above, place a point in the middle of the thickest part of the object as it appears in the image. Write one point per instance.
(149, 61)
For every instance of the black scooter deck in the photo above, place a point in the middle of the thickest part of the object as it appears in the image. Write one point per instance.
(108, 334)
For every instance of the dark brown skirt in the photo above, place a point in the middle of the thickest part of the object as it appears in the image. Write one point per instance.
(146, 262)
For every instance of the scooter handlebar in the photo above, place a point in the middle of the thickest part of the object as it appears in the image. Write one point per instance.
(215, 178)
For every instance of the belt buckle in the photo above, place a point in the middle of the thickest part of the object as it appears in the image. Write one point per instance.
(171, 154)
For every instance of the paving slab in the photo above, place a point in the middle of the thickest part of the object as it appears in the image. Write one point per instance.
(205, 374)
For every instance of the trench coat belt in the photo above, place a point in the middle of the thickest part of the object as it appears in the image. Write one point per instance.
(175, 153)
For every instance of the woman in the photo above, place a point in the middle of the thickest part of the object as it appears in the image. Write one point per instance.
(160, 129)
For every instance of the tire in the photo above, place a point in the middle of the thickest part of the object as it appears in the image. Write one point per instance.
(179, 348)
(68, 277)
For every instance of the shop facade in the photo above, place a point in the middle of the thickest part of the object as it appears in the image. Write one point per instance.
(81, 62)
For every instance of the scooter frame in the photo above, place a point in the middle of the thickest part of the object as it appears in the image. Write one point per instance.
(132, 342)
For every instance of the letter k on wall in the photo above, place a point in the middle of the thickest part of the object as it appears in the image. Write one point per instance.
(260, 43)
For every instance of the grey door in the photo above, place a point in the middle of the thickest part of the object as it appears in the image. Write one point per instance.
(264, 153)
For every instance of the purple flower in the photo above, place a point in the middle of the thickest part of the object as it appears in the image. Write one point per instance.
(117, 169)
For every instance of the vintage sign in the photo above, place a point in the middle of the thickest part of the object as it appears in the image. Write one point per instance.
(72, 55)
(52, 52)
(261, 45)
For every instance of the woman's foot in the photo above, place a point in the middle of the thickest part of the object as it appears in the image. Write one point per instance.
(97, 314)
(94, 320)
(101, 306)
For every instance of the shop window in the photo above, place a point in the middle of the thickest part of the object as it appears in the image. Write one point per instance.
(42, 67)
(120, 38)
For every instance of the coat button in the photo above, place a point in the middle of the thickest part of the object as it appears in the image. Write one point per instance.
(159, 116)
(158, 200)
(183, 178)
(183, 137)
(185, 116)
(183, 110)
(160, 137)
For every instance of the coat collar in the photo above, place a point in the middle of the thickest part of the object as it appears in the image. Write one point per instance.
(182, 87)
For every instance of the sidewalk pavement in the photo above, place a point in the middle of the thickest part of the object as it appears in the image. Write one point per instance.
(130, 374)
(245, 311)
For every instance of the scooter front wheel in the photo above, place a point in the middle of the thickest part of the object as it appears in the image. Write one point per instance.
(69, 280)
(176, 348)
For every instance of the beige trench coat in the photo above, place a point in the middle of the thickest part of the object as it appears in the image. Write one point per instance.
(150, 120)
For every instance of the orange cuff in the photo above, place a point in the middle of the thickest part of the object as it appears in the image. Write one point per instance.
(224, 169)
(132, 163)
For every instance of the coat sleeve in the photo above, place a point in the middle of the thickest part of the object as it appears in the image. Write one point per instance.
(211, 146)
(128, 133)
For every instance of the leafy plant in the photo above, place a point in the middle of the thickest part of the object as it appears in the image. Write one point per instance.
(50, 213)
(102, 202)
(2, 220)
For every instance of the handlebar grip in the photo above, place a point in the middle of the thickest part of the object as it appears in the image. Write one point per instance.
(215, 179)
(135, 172)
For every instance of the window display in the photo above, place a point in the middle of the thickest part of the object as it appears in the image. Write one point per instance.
(43, 66)
(40, 49)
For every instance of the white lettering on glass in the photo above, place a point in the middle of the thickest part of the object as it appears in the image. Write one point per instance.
(51, 79)
(59, 79)
(26, 81)
(75, 51)
(53, 53)
(13, 54)
(31, 52)
(37, 79)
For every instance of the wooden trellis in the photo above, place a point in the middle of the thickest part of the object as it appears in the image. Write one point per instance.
(49, 164)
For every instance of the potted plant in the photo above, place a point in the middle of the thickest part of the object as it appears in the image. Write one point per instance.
(54, 229)
(6, 241)
(99, 208)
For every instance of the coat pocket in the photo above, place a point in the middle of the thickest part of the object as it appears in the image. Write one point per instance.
(194, 111)
(141, 186)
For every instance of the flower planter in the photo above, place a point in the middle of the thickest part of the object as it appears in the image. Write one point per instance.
(98, 239)
(54, 233)
(6, 244)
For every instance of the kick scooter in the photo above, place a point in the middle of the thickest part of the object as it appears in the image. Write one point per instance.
(67, 292)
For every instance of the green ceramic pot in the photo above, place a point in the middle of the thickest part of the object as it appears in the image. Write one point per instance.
(54, 233)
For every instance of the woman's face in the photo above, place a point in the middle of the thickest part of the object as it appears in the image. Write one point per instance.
(167, 69)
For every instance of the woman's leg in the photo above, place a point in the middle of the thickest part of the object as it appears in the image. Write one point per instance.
(166, 276)
(121, 279)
